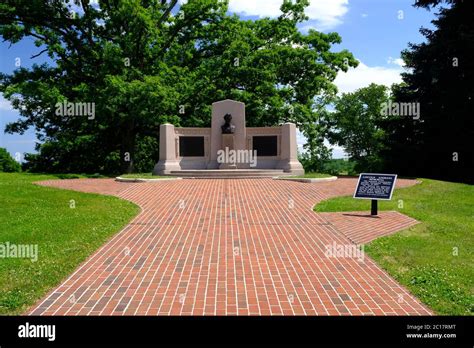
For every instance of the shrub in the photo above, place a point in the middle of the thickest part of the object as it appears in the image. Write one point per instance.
(7, 162)
(340, 167)
(329, 166)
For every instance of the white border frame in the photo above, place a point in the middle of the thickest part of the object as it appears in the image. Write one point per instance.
(378, 199)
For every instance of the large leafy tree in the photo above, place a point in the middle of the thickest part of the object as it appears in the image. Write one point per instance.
(439, 77)
(146, 62)
(357, 125)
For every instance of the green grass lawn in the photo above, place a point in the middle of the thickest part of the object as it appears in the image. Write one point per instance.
(433, 259)
(31, 214)
(311, 175)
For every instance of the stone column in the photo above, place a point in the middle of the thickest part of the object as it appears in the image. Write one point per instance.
(289, 154)
(168, 159)
(219, 109)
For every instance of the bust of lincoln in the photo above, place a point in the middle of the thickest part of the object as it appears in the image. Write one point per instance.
(227, 127)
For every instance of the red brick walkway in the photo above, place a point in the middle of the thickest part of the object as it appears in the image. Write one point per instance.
(232, 247)
(361, 227)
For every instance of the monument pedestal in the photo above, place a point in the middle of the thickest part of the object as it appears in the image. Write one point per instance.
(227, 146)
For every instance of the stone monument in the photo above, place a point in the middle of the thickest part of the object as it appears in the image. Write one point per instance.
(198, 149)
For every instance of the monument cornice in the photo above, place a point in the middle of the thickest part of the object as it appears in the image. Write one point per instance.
(192, 131)
(263, 130)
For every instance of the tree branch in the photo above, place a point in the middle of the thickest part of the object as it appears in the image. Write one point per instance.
(38, 54)
(167, 12)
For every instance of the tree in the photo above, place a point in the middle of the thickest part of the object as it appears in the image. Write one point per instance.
(439, 78)
(7, 163)
(356, 125)
(142, 63)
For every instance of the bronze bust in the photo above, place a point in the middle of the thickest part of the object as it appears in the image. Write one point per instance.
(227, 127)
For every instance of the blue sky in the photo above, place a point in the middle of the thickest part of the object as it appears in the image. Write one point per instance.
(375, 31)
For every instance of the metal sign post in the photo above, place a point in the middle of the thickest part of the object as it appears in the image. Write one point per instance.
(374, 208)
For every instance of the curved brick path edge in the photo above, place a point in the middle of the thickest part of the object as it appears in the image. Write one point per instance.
(232, 247)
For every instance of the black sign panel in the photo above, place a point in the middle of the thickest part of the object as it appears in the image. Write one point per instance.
(191, 146)
(375, 186)
(266, 145)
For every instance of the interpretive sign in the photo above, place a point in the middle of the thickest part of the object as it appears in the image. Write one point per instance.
(375, 186)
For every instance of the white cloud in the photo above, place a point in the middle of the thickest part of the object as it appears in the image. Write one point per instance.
(364, 75)
(396, 61)
(5, 104)
(326, 13)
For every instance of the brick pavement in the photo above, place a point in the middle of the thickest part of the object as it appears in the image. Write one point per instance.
(232, 247)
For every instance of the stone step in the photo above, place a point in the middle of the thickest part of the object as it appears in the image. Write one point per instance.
(228, 173)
